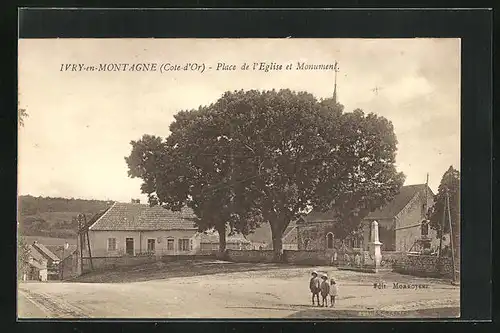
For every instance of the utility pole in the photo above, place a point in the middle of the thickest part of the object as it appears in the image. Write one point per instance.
(65, 247)
(451, 237)
(88, 240)
(80, 237)
(441, 230)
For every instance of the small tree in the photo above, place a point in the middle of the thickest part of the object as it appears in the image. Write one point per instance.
(439, 216)
(450, 185)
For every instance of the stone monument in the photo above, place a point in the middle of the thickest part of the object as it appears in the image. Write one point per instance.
(374, 246)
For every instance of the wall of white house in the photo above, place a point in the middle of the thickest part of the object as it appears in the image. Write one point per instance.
(165, 242)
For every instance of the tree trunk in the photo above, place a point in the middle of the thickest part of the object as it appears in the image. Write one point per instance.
(222, 241)
(277, 236)
(277, 247)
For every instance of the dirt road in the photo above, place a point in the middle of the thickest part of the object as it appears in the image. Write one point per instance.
(272, 293)
(29, 309)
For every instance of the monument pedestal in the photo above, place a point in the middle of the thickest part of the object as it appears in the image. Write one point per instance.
(374, 247)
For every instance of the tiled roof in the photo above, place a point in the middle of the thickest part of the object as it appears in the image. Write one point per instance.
(262, 234)
(392, 208)
(57, 250)
(213, 238)
(318, 216)
(133, 216)
(35, 254)
(46, 251)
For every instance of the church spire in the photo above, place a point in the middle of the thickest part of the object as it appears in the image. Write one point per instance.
(336, 69)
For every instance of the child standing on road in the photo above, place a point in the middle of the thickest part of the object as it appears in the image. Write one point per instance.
(333, 292)
(314, 287)
(325, 290)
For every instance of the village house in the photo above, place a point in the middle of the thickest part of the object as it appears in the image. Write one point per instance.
(402, 225)
(68, 258)
(36, 268)
(134, 229)
(52, 259)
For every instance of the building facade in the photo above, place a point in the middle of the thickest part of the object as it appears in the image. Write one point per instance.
(402, 222)
(133, 229)
(402, 225)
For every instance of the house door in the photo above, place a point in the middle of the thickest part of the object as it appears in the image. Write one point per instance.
(129, 246)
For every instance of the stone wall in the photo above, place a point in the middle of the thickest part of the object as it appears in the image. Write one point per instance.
(250, 255)
(108, 263)
(425, 265)
(312, 257)
(389, 258)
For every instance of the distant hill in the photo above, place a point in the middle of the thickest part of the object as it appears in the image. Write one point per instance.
(55, 217)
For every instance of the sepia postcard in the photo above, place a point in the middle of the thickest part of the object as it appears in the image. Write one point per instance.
(239, 178)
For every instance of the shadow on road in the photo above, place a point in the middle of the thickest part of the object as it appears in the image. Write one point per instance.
(449, 312)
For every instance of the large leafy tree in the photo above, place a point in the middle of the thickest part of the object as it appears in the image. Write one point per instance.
(194, 167)
(269, 156)
(438, 214)
(303, 152)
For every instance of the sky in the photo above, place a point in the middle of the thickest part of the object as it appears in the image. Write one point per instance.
(81, 123)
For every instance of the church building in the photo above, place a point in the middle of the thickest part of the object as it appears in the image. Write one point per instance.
(402, 225)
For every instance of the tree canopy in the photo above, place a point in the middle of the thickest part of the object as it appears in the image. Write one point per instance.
(270, 156)
(438, 216)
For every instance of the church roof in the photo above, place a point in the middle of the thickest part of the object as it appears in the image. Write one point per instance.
(319, 216)
(395, 206)
(390, 210)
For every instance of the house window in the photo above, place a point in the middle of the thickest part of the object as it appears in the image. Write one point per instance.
(184, 244)
(306, 244)
(170, 244)
(424, 228)
(111, 244)
(329, 240)
(129, 246)
(151, 245)
(355, 242)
